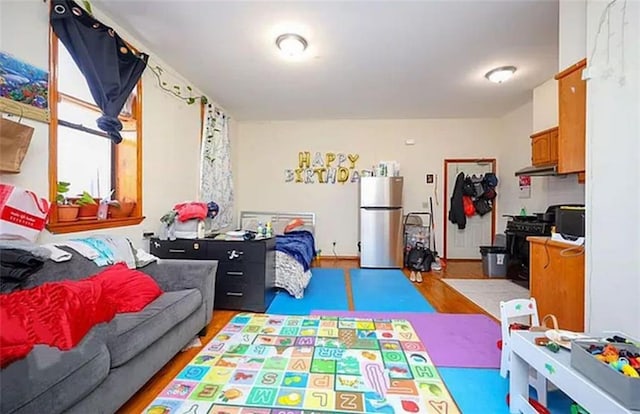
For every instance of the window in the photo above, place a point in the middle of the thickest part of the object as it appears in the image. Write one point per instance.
(81, 154)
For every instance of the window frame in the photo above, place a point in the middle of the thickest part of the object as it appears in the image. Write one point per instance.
(128, 180)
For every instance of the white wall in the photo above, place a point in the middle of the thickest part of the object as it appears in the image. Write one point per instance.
(515, 153)
(266, 149)
(171, 128)
(613, 150)
(545, 106)
(571, 33)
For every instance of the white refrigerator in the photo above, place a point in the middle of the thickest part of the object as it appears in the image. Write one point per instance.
(380, 201)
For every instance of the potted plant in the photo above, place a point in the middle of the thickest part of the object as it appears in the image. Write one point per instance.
(88, 206)
(121, 209)
(67, 211)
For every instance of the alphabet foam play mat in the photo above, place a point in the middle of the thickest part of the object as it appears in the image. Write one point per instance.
(272, 364)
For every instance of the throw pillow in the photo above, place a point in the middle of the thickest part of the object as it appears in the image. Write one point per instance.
(294, 224)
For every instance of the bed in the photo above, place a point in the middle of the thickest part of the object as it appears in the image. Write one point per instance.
(294, 250)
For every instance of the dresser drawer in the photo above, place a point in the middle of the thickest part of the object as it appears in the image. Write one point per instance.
(238, 296)
(238, 272)
(178, 249)
(237, 252)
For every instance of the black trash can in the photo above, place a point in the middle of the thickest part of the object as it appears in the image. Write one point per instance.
(494, 261)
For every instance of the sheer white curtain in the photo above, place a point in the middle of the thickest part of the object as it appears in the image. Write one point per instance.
(216, 182)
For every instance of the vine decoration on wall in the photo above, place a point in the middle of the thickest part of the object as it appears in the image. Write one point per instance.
(176, 90)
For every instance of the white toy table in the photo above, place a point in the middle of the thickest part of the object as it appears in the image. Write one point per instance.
(556, 367)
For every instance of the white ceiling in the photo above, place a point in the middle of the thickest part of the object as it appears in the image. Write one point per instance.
(367, 59)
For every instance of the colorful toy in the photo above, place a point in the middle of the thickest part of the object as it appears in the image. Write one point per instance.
(577, 409)
(629, 371)
(540, 409)
(621, 360)
(553, 347)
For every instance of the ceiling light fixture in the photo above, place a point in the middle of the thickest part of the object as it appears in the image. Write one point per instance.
(291, 44)
(501, 74)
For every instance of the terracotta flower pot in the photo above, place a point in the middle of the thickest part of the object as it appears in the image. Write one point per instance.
(68, 213)
(88, 211)
(123, 210)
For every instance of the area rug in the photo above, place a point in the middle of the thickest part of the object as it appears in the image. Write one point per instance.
(272, 364)
(488, 293)
(386, 290)
(453, 340)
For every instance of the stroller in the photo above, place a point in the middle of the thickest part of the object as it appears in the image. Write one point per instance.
(417, 234)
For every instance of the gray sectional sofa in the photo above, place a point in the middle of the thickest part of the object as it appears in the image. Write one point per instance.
(114, 359)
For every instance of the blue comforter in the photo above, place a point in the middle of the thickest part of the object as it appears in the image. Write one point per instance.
(298, 244)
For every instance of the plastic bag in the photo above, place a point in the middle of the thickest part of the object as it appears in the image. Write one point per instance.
(22, 212)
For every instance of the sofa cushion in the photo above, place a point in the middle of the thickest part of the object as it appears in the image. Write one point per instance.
(131, 333)
(50, 380)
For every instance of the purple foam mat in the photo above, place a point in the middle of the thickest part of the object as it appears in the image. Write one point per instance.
(452, 339)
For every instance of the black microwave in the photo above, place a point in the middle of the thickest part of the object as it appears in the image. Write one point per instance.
(570, 221)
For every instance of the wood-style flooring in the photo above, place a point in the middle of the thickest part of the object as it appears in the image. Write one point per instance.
(444, 298)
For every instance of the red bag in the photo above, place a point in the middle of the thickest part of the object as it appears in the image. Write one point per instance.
(22, 212)
(469, 208)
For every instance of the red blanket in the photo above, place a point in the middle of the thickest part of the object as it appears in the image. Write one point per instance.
(61, 313)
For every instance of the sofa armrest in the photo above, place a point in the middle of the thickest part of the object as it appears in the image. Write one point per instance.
(174, 275)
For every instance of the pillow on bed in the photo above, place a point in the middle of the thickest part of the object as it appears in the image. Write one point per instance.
(294, 224)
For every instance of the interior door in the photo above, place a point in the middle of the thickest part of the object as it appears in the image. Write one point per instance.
(465, 244)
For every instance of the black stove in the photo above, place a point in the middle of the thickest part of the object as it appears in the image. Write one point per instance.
(517, 231)
(531, 228)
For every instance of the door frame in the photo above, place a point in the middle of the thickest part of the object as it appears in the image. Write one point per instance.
(448, 161)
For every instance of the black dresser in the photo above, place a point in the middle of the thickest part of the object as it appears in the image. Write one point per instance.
(246, 274)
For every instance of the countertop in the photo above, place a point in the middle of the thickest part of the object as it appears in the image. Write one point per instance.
(549, 242)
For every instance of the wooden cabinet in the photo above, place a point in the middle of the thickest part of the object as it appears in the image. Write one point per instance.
(582, 178)
(556, 272)
(572, 103)
(246, 274)
(544, 147)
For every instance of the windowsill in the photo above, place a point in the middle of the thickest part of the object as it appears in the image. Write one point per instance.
(87, 225)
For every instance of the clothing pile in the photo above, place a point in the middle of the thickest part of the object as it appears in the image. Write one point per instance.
(16, 266)
(20, 258)
(59, 314)
(187, 220)
(472, 195)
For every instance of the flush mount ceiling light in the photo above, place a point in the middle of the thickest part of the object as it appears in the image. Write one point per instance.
(501, 74)
(291, 44)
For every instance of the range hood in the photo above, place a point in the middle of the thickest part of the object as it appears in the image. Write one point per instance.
(538, 171)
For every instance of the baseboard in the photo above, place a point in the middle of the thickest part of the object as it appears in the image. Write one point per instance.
(332, 257)
(463, 260)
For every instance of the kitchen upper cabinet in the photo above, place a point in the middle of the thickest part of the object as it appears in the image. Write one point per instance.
(544, 147)
(572, 104)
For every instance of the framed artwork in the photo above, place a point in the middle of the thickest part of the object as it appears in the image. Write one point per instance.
(24, 89)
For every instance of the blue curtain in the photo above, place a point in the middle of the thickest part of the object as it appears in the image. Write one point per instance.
(109, 65)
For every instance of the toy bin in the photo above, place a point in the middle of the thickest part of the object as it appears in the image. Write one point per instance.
(625, 389)
(494, 261)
